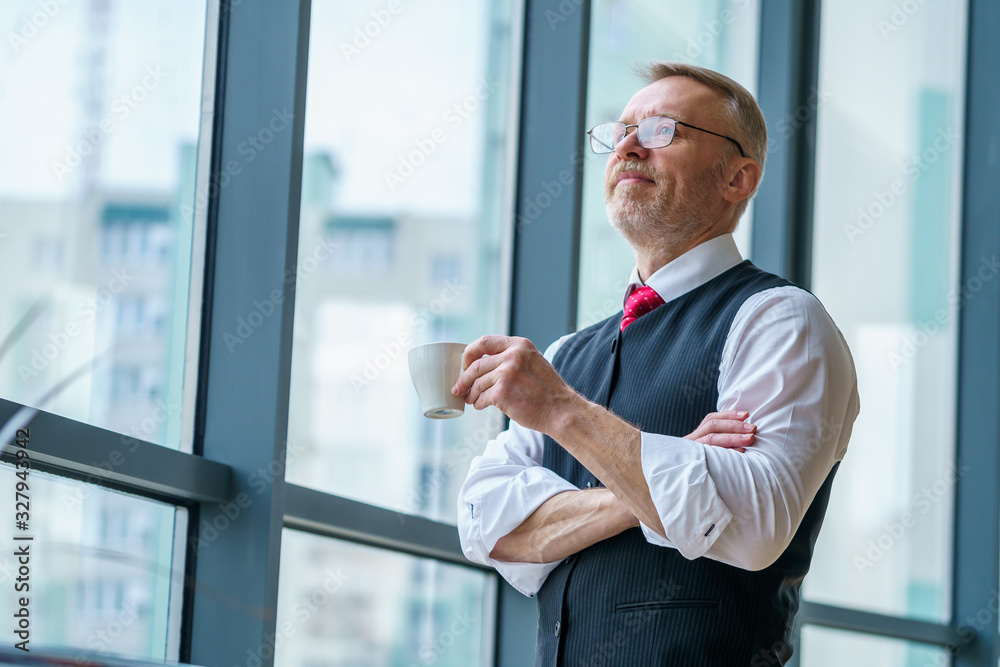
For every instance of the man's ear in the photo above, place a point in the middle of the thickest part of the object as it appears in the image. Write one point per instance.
(745, 175)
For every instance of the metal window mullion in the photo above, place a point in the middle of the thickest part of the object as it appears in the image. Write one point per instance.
(976, 574)
(788, 76)
(251, 249)
(343, 518)
(547, 219)
(65, 447)
(896, 627)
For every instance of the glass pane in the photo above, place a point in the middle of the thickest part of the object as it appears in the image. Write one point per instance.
(344, 604)
(888, 187)
(404, 199)
(101, 104)
(822, 647)
(719, 34)
(102, 571)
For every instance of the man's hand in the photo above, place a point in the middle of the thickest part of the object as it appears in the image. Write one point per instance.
(727, 429)
(511, 374)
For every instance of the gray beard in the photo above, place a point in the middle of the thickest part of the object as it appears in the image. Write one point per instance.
(665, 222)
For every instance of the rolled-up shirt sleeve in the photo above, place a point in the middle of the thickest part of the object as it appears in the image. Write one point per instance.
(787, 364)
(503, 487)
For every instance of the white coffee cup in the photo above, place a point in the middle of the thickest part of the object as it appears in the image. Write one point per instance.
(434, 369)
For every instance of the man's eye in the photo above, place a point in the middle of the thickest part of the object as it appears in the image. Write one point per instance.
(663, 128)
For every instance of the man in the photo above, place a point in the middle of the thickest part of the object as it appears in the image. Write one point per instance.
(645, 547)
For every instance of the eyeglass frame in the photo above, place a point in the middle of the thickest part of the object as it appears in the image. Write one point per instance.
(636, 126)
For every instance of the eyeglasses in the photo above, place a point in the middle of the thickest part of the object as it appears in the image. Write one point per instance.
(653, 132)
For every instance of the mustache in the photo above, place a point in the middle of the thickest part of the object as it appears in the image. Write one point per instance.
(631, 165)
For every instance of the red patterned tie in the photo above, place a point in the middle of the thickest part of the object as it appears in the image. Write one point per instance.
(639, 302)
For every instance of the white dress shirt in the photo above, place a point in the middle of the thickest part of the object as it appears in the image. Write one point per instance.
(784, 361)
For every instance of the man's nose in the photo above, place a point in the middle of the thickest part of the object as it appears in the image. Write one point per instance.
(629, 146)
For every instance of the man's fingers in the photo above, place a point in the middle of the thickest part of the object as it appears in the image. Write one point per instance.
(481, 385)
(473, 371)
(484, 399)
(728, 440)
(486, 345)
(731, 426)
(726, 414)
(709, 427)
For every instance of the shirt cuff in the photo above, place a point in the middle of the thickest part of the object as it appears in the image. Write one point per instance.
(684, 494)
(654, 537)
(526, 578)
(491, 515)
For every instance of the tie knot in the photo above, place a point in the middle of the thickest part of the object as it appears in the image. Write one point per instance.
(639, 302)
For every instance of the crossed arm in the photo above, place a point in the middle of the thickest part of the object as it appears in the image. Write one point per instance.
(571, 521)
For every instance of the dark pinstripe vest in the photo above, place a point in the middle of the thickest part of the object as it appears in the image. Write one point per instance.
(624, 601)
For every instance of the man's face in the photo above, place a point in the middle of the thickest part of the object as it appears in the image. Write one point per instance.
(675, 191)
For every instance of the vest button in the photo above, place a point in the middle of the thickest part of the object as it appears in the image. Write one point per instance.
(589, 484)
(556, 631)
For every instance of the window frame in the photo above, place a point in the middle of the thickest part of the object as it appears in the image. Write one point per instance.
(234, 404)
